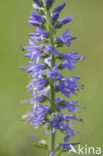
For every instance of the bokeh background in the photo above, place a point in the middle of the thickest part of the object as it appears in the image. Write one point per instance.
(14, 28)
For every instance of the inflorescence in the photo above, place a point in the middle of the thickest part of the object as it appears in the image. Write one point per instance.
(47, 81)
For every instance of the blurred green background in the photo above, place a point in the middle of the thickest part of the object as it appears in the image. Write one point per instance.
(14, 28)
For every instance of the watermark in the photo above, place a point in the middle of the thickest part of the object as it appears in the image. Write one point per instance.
(86, 150)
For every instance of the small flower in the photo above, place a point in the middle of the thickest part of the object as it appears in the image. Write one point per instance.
(68, 86)
(66, 20)
(35, 67)
(52, 154)
(37, 8)
(67, 146)
(37, 1)
(39, 35)
(66, 38)
(37, 17)
(60, 7)
(55, 16)
(38, 115)
(49, 3)
(37, 24)
(66, 64)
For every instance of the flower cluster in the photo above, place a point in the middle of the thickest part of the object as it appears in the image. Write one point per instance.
(44, 69)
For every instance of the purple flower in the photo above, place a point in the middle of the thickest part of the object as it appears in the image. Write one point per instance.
(55, 74)
(68, 86)
(71, 56)
(52, 154)
(67, 146)
(38, 84)
(34, 53)
(37, 97)
(49, 3)
(49, 49)
(61, 122)
(66, 38)
(38, 115)
(43, 32)
(71, 106)
(60, 7)
(37, 17)
(37, 24)
(55, 16)
(68, 65)
(39, 35)
(23, 68)
(35, 67)
(37, 1)
(66, 20)
(36, 7)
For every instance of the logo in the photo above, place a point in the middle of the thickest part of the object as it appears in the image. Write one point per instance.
(85, 150)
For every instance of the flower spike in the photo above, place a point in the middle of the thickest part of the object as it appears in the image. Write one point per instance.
(47, 80)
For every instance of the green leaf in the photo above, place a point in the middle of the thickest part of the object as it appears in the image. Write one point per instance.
(41, 144)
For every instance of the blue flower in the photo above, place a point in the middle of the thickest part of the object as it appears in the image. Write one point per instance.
(67, 146)
(66, 64)
(37, 1)
(33, 51)
(35, 67)
(71, 56)
(55, 16)
(35, 23)
(68, 86)
(60, 7)
(62, 122)
(49, 3)
(39, 35)
(37, 8)
(38, 115)
(52, 154)
(72, 106)
(66, 20)
(37, 17)
(66, 38)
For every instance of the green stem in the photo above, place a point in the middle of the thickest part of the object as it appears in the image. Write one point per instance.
(52, 136)
(51, 32)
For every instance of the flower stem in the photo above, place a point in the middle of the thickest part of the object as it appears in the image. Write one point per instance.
(52, 136)
(51, 33)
